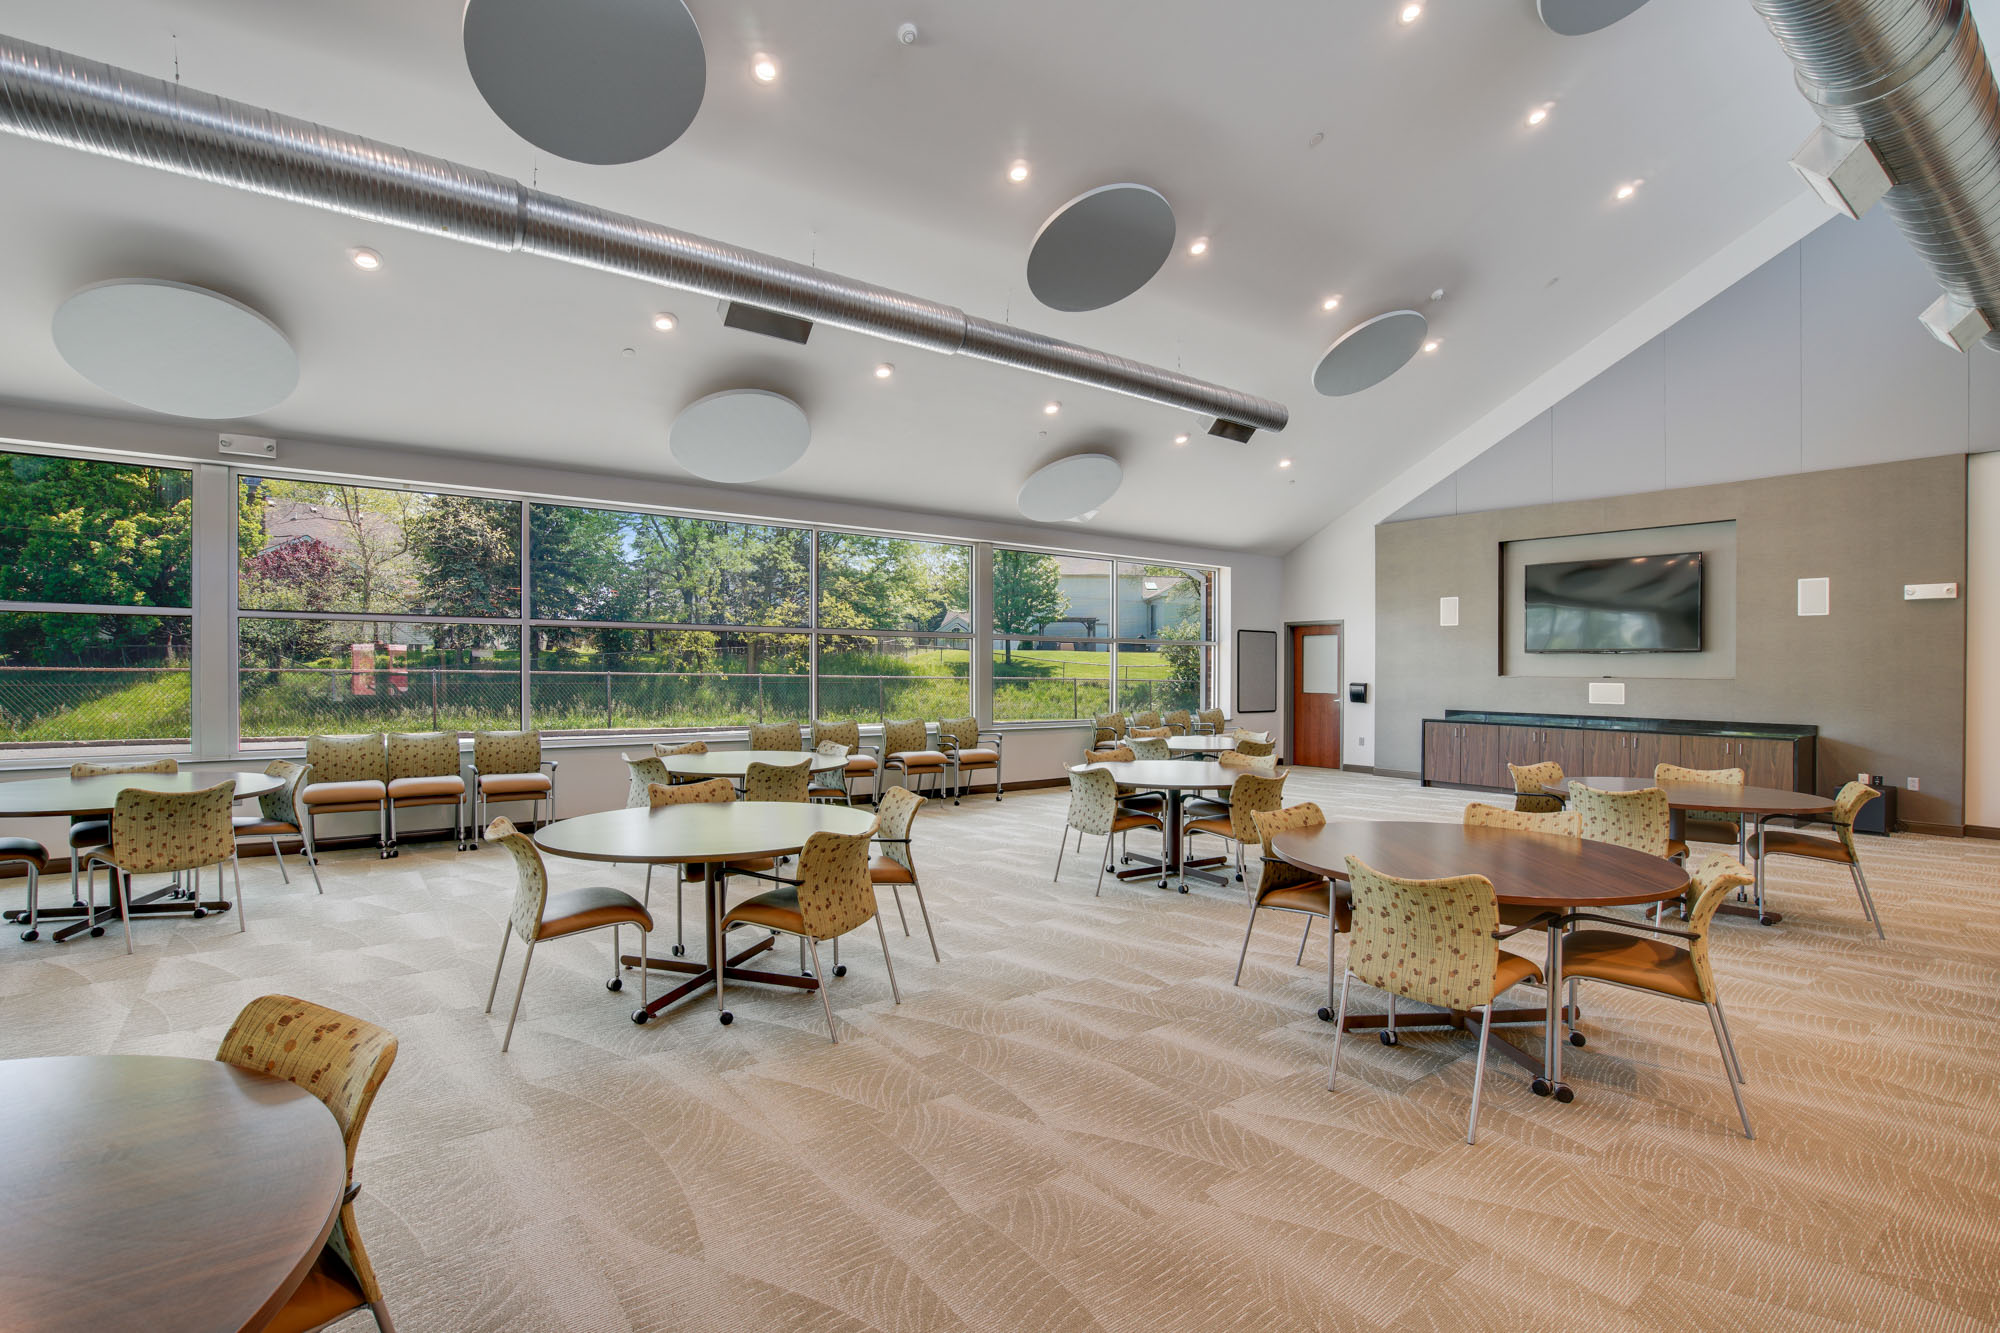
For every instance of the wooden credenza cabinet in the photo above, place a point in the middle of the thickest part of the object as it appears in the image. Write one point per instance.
(1473, 749)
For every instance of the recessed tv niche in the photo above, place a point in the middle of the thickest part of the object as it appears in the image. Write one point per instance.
(1637, 604)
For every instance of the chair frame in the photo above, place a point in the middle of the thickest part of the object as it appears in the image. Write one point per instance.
(392, 803)
(1117, 810)
(482, 806)
(298, 784)
(912, 781)
(35, 867)
(120, 881)
(1852, 861)
(950, 745)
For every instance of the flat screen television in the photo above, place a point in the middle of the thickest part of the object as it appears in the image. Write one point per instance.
(1638, 604)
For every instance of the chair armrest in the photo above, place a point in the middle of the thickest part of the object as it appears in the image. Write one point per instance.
(904, 841)
(550, 764)
(1632, 925)
(759, 874)
(353, 1188)
(948, 744)
(999, 739)
(1536, 924)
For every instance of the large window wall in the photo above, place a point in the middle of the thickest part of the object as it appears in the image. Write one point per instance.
(358, 607)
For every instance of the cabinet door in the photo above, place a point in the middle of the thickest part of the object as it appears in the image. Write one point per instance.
(1642, 753)
(1441, 752)
(1708, 752)
(1484, 755)
(1769, 763)
(1568, 747)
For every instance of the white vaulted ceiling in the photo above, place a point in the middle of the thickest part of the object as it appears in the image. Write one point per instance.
(1322, 148)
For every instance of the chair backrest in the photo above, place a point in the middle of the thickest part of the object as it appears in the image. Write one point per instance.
(423, 754)
(1564, 823)
(644, 771)
(963, 732)
(1723, 777)
(506, 752)
(1248, 795)
(1118, 754)
(1241, 734)
(777, 736)
(1211, 718)
(1148, 719)
(1277, 873)
(339, 1059)
(835, 893)
(668, 751)
(1846, 806)
(1111, 722)
(1148, 747)
(894, 814)
(93, 770)
(776, 782)
(1635, 819)
(1532, 778)
(832, 749)
(1148, 733)
(531, 888)
(1179, 719)
(357, 758)
(153, 832)
(1266, 764)
(1255, 749)
(1093, 801)
(282, 805)
(903, 737)
(1428, 940)
(715, 791)
(1712, 882)
(844, 733)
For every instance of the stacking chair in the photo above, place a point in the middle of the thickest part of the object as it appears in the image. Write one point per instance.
(1452, 959)
(894, 866)
(538, 915)
(1094, 810)
(666, 751)
(1147, 733)
(342, 1061)
(1709, 825)
(1529, 780)
(970, 750)
(776, 782)
(1636, 819)
(1253, 747)
(1248, 795)
(350, 776)
(832, 895)
(830, 784)
(1179, 721)
(1129, 798)
(1148, 747)
(777, 736)
(88, 834)
(860, 764)
(1645, 963)
(1209, 722)
(423, 770)
(166, 832)
(32, 857)
(642, 773)
(715, 791)
(906, 750)
(1284, 887)
(1214, 801)
(1146, 721)
(278, 817)
(1783, 842)
(1559, 823)
(508, 766)
(1110, 728)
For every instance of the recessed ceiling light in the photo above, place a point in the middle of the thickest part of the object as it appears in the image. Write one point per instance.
(1627, 190)
(884, 371)
(664, 322)
(1019, 171)
(1181, 438)
(1284, 462)
(1051, 407)
(1330, 303)
(1433, 344)
(764, 69)
(1198, 246)
(1540, 113)
(1411, 12)
(365, 259)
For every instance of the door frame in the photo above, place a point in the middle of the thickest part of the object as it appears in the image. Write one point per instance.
(1340, 695)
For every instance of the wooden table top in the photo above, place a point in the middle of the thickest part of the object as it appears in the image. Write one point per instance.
(149, 1192)
(1201, 744)
(736, 763)
(1168, 774)
(96, 796)
(690, 834)
(1721, 797)
(1527, 869)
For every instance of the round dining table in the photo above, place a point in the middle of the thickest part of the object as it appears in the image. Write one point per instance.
(93, 798)
(1540, 872)
(1174, 779)
(710, 836)
(159, 1193)
(735, 764)
(1192, 745)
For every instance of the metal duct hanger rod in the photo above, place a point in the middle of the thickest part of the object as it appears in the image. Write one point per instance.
(63, 99)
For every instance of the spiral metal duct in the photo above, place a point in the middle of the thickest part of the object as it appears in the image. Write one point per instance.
(1911, 78)
(62, 99)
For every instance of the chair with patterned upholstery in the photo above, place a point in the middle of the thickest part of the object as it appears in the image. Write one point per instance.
(278, 817)
(33, 858)
(423, 771)
(971, 750)
(1241, 734)
(342, 1061)
(715, 791)
(350, 775)
(1248, 795)
(777, 736)
(1435, 941)
(1711, 826)
(668, 750)
(508, 766)
(832, 895)
(1147, 733)
(1284, 887)
(1557, 823)
(1253, 748)
(776, 782)
(1129, 798)
(830, 784)
(1839, 850)
(1094, 811)
(894, 866)
(1529, 781)
(1178, 720)
(1646, 963)
(906, 751)
(1636, 819)
(1108, 728)
(1149, 748)
(1210, 722)
(860, 764)
(166, 833)
(1146, 721)
(539, 915)
(643, 772)
(1263, 764)
(88, 832)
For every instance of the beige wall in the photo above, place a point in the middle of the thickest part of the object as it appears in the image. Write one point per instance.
(1883, 679)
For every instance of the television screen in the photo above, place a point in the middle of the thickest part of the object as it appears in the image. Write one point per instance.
(1640, 604)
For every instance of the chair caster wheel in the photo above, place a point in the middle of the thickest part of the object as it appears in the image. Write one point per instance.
(840, 970)
(1563, 1093)
(1576, 1039)
(199, 913)
(615, 984)
(1539, 1086)
(680, 950)
(1325, 1014)
(1239, 879)
(727, 1018)
(1390, 1039)
(31, 935)
(641, 1017)
(96, 931)
(1124, 860)
(1184, 888)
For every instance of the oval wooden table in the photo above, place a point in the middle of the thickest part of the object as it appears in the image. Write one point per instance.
(735, 764)
(1173, 779)
(149, 1192)
(1539, 871)
(1759, 803)
(92, 798)
(709, 836)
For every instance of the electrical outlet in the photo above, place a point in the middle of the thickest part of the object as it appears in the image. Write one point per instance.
(1911, 783)
(1361, 741)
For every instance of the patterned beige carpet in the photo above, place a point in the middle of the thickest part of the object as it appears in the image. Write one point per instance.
(1075, 1122)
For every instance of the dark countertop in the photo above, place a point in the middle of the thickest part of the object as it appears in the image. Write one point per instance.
(1782, 731)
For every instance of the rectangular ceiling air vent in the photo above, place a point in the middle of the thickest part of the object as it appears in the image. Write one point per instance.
(1230, 430)
(756, 319)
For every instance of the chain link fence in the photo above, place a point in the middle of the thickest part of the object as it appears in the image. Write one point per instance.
(58, 705)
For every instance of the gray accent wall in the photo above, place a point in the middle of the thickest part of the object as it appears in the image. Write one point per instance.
(1882, 678)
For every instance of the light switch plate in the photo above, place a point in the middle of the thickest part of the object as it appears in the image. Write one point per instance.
(1607, 691)
(1924, 592)
(1815, 597)
(1447, 611)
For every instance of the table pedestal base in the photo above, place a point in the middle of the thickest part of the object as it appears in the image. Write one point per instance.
(701, 975)
(160, 902)
(1466, 1022)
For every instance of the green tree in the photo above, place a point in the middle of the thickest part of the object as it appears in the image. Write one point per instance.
(1027, 595)
(467, 553)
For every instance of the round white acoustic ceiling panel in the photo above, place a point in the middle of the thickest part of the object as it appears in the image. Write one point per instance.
(1070, 487)
(597, 81)
(1574, 18)
(172, 348)
(1369, 353)
(740, 435)
(1100, 247)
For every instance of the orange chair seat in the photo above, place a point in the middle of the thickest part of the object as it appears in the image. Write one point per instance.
(586, 909)
(328, 1292)
(862, 763)
(1779, 842)
(407, 789)
(911, 761)
(1309, 898)
(1120, 823)
(1513, 969)
(1632, 960)
(1218, 825)
(1677, 848)
(1710, 830)
(759, 864)
(883, 870)
(256, 826)
(776, 910)
(511, 784)
(339, 796)
(978, 758)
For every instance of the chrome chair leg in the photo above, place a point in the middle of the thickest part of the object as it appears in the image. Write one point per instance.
(1061, 847)
(236, 871)
(1479, 1070)
(825, 1002)
(1244, 952)
(1729, 1070)
(1102, 864)
(923, 912)
(519, 986)
(1339, 1030)
(312, 853)
(506, 934)
(887, 961)
(1305, 936)
(1867, 899)
(279, 853)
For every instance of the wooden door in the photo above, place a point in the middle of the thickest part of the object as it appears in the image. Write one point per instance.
(1316, 689)
(1441, 752)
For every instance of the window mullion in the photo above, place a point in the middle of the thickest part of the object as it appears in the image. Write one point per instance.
(213, 730)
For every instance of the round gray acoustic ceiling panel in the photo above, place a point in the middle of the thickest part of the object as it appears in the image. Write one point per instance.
(740, 435)
(1070, 487)
(172, 348)
(1574, 18)
(1370, 352)
(598, 81)
(1100, 247)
